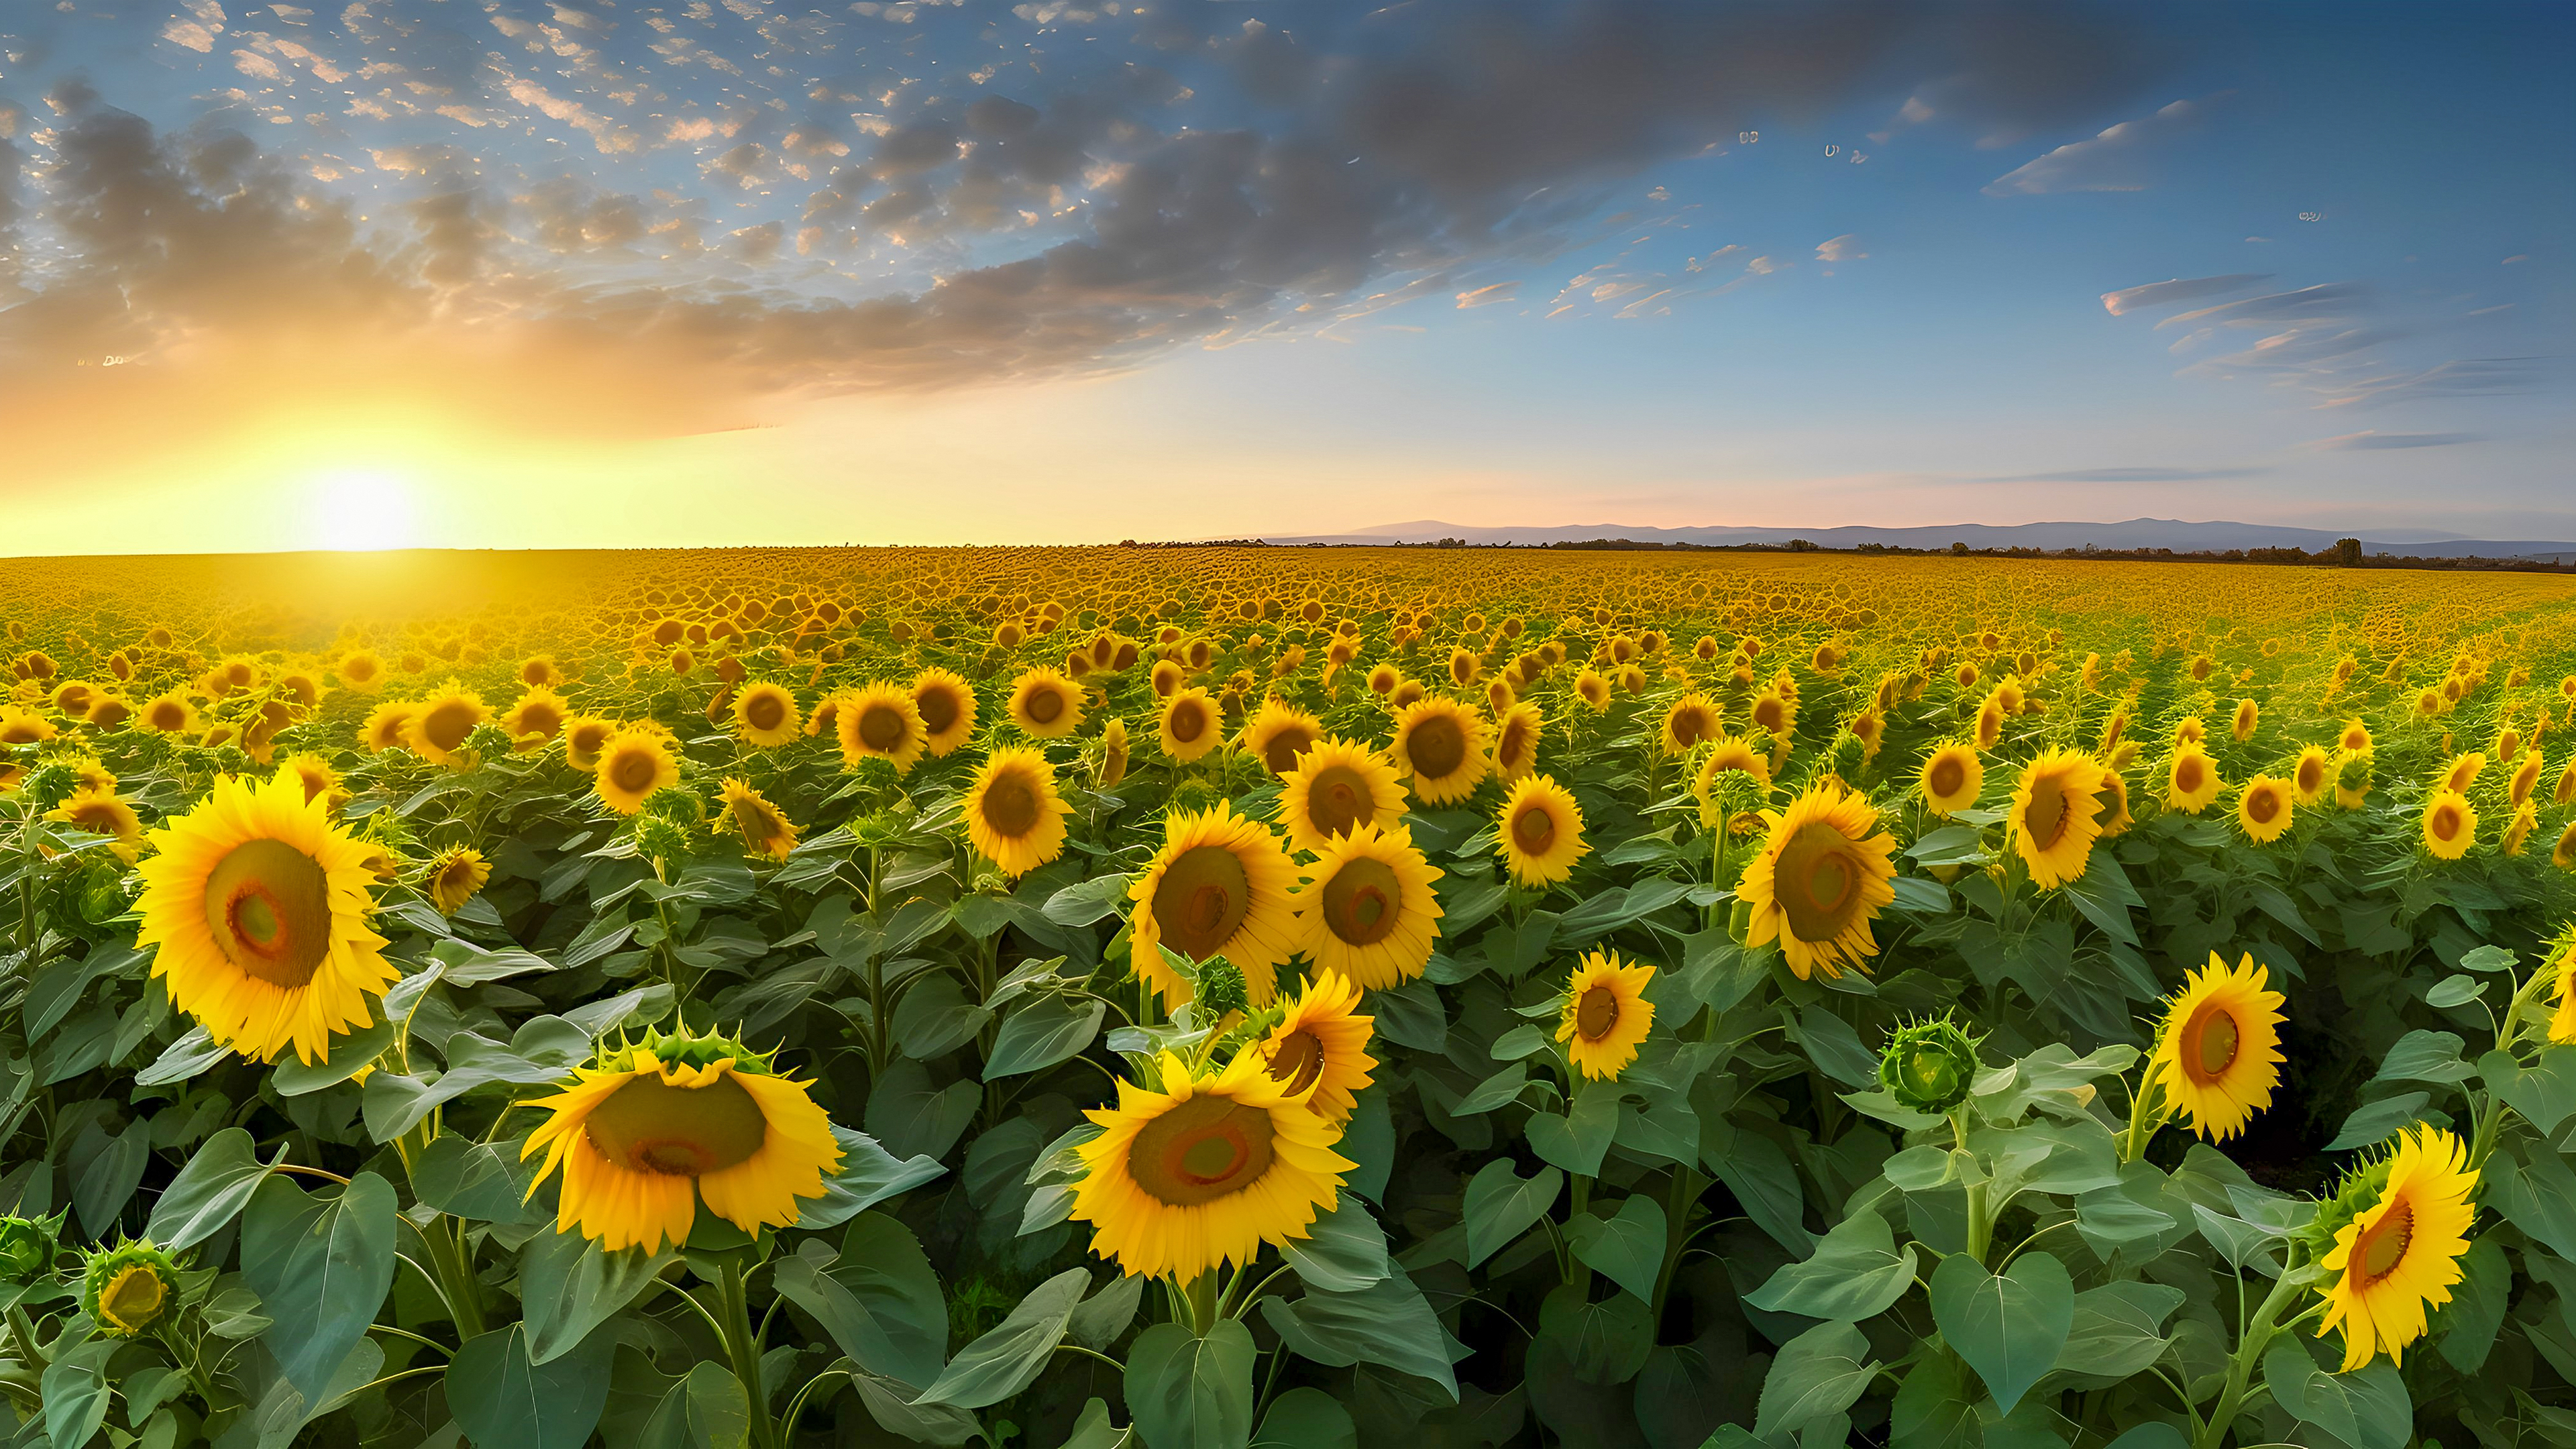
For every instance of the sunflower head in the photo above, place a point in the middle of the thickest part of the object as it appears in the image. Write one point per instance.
(1823, 872)
(2399, 1226)
(1440, 743)
(2264, 807)
(2055, 816)
(2217, 1053)
(127, 1288)
(1319, 1045)
(1951, 778)
(1046, 704)
(1335, 787)
(1219, 886)
(27, 1246)
(1605, 1014)
(881, 722)
(2450, 825)
(765, 714)
(764, 830)
(1367, 910)
(1929, 1066)
(633, 763)
(1013, 814)
(1539, 832)
(454, 875)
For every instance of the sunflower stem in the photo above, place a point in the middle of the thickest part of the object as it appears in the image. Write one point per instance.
(2250, 1344)
(1981, 1228)
(743, 1346)
(1202, 1299)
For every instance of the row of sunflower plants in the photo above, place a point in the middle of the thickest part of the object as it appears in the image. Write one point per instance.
(1769, 1088)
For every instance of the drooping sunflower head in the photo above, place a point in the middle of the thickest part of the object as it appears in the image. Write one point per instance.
(169, 714)
(1929, 1066)
(1691, 719)
(1605, 1014)
(2312, 773)
(1337, 786)
(1593, 690)
(2560, 963)
(388, 726)
(881, 722)
(2264, 807)
(655, 1127)
(2242, 725)
(1516, 736)
(454, 875)
(1202, 1171)
(1046, 704)
(102, 812)
(2191, 779)
(1013, 814)
(1113, 753)
(763, 828)
(1189, 725)
(2462, 771)
(1320, 1047)
(1277, 735)
(1821, 875)
(360, 669)
(258, 906)
(2526, 778)
(2517, 830)
(538, 716)
(1539, 832)
(2217, 1055)
(1220, 886)
(584, 736)
(1366, 910)
(438, 726)
(633, 763)
(947, 708)
(2355, 737)
(2055, 816)
(2397, 1253)
(2450, 825)
(765, 715)
(127, 1288)
(1951, 778)
(1440, 744)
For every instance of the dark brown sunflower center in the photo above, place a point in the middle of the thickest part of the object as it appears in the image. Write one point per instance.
(2261, 806)
(269, 907)
(2210, 1042)
(2187, 774)
(445, 726)
(764, 711)
(1201, 1150)
(458, 876)
(1046, 705)
(633, 771)
(167, 716)
(2312, 775)
(1515, 745)
(1281, 753)
(1690, 726)
(1011, 806)
(649, 1125)
(938, 709)
(2045, 819)
(589, 738)
(1595, 1012)
(2384, 1246)
(2446, 822)
(1337, 799)
(1437, 746)
(98, 817)
(757, 822)
(1768, 712)
(880, 727)
(1534, 829)
(1947, 776)
(1363, 901)
(1202, 900)
(1188, 721)
(1297, 1061)
(539, 719)
(1817, 882)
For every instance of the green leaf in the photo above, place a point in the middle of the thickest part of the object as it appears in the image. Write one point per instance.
(1013, 1354)
(869, 1175)
(1187, 1392)
(2468, 1323)
(350, 1053)
(1306, 1419)
(1757, 1171)
(880, 1302)
(1835, 1048)
(1098, 1320)
(324, 1261)
(1855, 1273)
(1093, 1430)
(1579, 1140)
(706, 1409)
(892, 1403)
(503, 1401)
(1816, 1375)
(210, 1191)
(2010, 1328)
(105, 1170)
(2454, 991)
(2487, 958)
(569, 1286)
(1500, 1089)
(2375, 1122)
(1086, 901)
(2425, 1056)
(1389, 1322)
(484, 1181)
(2366, 1409)
(2538, 1196)
(2151, 1436)
(935, 1018)
(2544, 1093)
(1501, 1206)
(75, 1394)
(1626, 1248)
(1934, 1408)
(915, 1119)
(1605, 1342)
(2118, 1329)
(189, 1056)
(1047, 1031)
(1343, 1251)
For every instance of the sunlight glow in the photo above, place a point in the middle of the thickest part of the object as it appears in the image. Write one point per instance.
(361, 509)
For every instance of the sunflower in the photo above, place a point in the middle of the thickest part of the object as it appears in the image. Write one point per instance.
(2242, 726)
(1593, 690)
(1337, 786)
(2355, 737)
(633, 763)
(1321, 1042)
(1730, 755)
(1113, 753)
(1220, 886)
(1190, 725)
(2310, 776)
(2526, 778)
(1821, 875)
(2401, 1252)
(1605, 1014)
(1539, 832)
(2191, 780)
(169, 714)
(2264, 807)
(258, 905)
(660, 1125)
(538, 716)
(2461, 772)
(1276, 735)
(1774, 713)
(765, 715)
(2517, 831)
(1046, 704)
(584, 736)
(101, 812)
(1013, 814)
(1952, 777)
(1204, 1170)
(1990, 725)
(2450, 824)
(360, 669)
(438, 725)
(2563, 854)
(1366, 907)
(881, 722)
(2116, 819)
(2054, 818)
(2217, 1055)
(761, 826)
(388, 726)
(316, 777)
(1440, 743)
(1691, 719)
(1516, 736)
(128, 1288)
(454, 875)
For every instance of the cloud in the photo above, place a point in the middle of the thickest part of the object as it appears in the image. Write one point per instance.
(1844, 248)
(2128, 475)
(2119, 159)
(1488, 296)
(2180, 289)
(2372, 439)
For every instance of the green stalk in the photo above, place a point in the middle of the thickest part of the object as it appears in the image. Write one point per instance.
(2258, 1336)
(2133, 1142)
(742, 1345)
(1981, 1228)
(2491, 1115)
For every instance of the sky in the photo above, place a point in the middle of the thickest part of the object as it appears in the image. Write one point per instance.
(642, 273)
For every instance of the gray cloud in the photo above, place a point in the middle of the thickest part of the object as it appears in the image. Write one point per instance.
(2368, 440)
(2128, 475)
(2180, 289)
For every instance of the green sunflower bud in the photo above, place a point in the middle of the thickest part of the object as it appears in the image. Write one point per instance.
(126, 1289)
(676, 804)
(26, 1249)
(663, 841)
(2353, 774)
(48, 786)
(488, 741)
(1221, 988)
(1929, 1065)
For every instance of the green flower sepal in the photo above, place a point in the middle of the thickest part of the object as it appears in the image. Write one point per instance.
(1929, 1066)
(129, 1287)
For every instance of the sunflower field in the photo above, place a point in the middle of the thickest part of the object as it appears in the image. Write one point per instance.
(1165, 997)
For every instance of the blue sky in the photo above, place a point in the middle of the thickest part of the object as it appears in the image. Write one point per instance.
(935, 273)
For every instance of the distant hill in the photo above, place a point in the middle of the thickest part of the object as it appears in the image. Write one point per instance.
(2135, 533)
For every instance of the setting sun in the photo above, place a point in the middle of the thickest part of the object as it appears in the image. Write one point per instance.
(361, 509)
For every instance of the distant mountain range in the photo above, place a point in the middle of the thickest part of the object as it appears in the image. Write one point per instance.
(2136, 533)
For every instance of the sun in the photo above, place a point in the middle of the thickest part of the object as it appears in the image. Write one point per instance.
(361, 510)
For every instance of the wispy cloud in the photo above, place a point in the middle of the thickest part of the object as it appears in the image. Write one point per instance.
(2371, 439)
(2180, 289)
(2126, 475)
(2121, 158)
